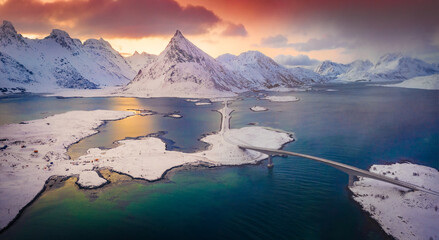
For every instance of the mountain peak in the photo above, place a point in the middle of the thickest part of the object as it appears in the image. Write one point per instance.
(8, 34)
(181, 49)
(7, 27)
(178, 33)
(57, 33)
(178, 37)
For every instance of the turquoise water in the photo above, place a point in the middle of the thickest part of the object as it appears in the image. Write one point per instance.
(297, 199)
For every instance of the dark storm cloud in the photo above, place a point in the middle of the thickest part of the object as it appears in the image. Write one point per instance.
(127, 18)
(379, 25)
(235, 30)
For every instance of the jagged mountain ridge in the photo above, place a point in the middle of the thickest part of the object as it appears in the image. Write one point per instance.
(138, 61)
(389, 67)
(183, 69)
(59, 61)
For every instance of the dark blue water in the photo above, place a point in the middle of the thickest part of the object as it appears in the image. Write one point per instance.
(297, 199)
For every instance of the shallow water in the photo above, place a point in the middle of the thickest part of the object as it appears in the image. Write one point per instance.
(297, 199)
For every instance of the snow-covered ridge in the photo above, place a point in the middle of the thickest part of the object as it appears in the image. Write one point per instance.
(408, 215)
(59, 61)
(389, 67)
(138, 61)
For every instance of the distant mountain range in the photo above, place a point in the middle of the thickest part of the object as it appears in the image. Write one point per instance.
(60, 62)
(389, 67)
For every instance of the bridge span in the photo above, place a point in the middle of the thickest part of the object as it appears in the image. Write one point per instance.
(350, 170)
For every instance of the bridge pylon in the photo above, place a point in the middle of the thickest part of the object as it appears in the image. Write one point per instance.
(270, 161)
(351, 180)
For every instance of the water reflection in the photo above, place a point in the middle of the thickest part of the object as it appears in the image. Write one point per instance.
(199, 120)
(130, 127)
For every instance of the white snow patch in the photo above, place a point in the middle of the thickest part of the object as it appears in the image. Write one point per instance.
(90, 179)
(174, 115)
(282, 98)
(286, 89)
(202, 103)
(404, 215)
(258, 109)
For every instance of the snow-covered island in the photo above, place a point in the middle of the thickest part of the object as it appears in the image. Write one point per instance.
(202, 103)
(36, 150)
(258, 109)
(402, 214)
(430, 82)
(173, 115)
(281, 98)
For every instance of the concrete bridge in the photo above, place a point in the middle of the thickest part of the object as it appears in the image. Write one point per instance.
(350, 170)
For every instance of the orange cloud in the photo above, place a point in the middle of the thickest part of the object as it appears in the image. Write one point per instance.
(127, 18)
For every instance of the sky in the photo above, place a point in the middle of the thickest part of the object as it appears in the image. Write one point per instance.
(294, 32)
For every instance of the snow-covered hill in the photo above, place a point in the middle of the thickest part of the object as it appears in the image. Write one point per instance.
(183, 69)
(138, 61)
(59, 61)
(389, 67)
(430, 82)
(259, 71)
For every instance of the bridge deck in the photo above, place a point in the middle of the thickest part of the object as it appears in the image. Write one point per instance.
(352, 171)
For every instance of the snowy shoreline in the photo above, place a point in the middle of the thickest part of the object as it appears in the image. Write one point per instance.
(24, 170)
(400, 213)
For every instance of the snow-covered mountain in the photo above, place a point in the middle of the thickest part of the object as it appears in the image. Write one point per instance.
(331, 69)
(258, 70)
(399, 67)
(183, 69)
(389, 67)
(358, 70)
(138, 61)
(307, 76)
(59, 61)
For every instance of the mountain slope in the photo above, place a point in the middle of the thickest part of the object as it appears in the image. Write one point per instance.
(183, 69)
(138, 61)
(59, 61)
(13, 71)
(259, 71)
(331, 69)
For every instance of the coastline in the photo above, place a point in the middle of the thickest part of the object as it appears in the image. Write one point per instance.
(211, 157)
